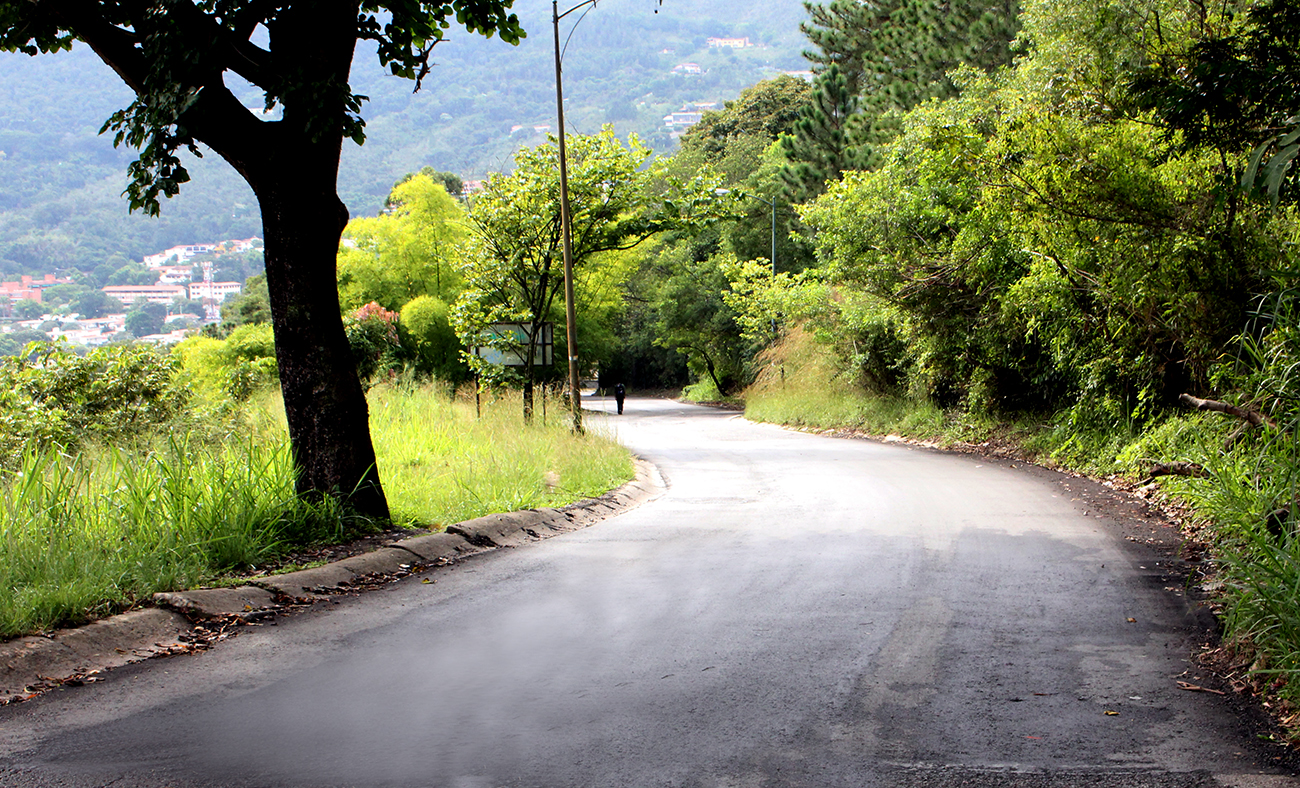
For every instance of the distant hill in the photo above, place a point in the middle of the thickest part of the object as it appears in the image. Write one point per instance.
(61, 206)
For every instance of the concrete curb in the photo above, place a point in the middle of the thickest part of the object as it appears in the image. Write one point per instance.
(185, 621)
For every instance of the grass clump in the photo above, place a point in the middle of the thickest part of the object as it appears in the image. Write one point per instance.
(441, 463)
(89, 534)
(87, 529)
(121, 483)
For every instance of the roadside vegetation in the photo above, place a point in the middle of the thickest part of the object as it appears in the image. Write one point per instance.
(127, 471)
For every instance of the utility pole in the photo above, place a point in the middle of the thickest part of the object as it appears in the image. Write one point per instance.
(570, 322)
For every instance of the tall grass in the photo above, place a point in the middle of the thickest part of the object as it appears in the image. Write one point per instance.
(441, 463)
(87, 534)
(802, 385)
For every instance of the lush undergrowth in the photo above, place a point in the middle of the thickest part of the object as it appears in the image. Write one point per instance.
(91, 531)
(1246, 503)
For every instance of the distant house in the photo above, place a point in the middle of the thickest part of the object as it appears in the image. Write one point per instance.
(186, 252)
(683, 118)
(175, 274)
(688, 68)
(181, 253)
(214, 290)
(238, 245)
(733, 43)
(688, 115)
(806, 76)
(154, 294)
(28, 287)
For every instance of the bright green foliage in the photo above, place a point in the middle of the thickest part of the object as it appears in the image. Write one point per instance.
(409, 251)
(1238, 86)
(50, 396)
(233, 368)
(618, 198)
(252, 306)
(744, 127)
(426, 333)
(1041, 258)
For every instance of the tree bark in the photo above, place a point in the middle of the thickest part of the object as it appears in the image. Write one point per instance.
(329, 424)
(292, 167)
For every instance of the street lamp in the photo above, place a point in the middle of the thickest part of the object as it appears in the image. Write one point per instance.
(569, 319)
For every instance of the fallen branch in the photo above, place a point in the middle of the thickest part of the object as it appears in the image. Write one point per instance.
(1183, 685)
(1252, 417)
(1180, 468)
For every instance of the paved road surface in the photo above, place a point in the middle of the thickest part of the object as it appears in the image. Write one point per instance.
(795, 611)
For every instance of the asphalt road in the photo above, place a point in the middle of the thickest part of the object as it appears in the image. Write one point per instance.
(797, 610)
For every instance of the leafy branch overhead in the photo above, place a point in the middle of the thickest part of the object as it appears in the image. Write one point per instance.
(175, 55)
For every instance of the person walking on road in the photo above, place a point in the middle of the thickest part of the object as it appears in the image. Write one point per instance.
(619, 394)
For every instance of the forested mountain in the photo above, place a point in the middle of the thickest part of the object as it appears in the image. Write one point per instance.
(60, 206)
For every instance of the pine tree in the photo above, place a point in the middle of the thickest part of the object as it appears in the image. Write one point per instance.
(843, 33)
(820, 148)
(923, 40)
(876, 59)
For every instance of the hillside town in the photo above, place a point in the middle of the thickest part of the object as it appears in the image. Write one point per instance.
(175, 292)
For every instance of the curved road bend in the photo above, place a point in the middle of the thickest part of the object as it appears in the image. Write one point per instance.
(795, 611)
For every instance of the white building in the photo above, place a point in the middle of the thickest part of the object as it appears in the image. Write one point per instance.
(734, 43)
(181, 253)
(186, 252)
(216, 290)
(154, 294)
(175, 274)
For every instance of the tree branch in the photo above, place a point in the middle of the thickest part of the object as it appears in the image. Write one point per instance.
(1254, 418)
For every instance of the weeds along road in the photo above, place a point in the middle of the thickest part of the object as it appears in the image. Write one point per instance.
(795, 611)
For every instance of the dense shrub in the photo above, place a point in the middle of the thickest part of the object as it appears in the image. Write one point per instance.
(49, 396)
(231, 368)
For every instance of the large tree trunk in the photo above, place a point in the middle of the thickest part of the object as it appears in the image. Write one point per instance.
(296, 183)
(303, 218)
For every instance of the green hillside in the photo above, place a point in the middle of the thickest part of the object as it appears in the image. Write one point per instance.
(60, 207)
